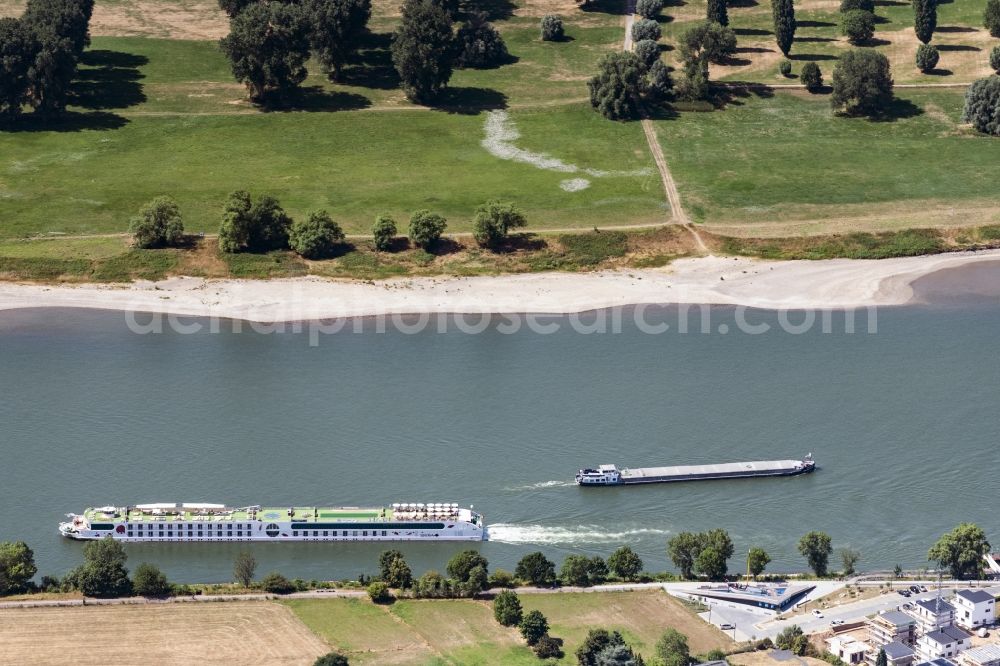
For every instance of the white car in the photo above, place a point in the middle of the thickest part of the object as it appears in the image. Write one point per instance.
(836, 623)
(817, 612)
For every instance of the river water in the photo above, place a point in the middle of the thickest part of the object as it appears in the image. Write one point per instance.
(901, 414)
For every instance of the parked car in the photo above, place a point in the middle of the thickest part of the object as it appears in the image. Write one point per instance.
(914, 589)
(817, 612)
(907, 606)
(904, 593)
(923, 588)
(835, 623)
(727, 626)
(982, 633)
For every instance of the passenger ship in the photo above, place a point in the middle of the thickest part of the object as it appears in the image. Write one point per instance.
(216, 522)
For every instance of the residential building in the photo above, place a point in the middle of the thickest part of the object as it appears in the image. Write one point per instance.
(891, 627)
(937, 662)
(896, 654)
(932, 614)
(984, 655)
(946, 642)
(974, 608)
(847, 648)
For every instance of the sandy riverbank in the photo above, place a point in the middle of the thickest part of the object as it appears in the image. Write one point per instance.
(839, 283)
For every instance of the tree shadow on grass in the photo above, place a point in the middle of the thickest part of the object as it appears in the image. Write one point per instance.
(68, 121)
(107, 80)
(875, 41)
(731, 61)
(371, 66)
(316, 98)
(469, 101)
(957, 47)
(522, 242)
(495, 10)
(891, 3)
(954, 28)
(881, 20)
(815, 24)
(509, 59)
(812, 56)
(616, 7)
(752, 31)
(662, 112)
(733, 93)
(753, 49)
(674, 3)
(743, 4)
(940, 72)
(814, 40)
(898, 109)
(443, 246)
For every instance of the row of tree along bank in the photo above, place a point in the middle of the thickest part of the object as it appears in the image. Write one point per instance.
(704, 555)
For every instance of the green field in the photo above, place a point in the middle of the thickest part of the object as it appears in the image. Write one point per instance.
(464, 631)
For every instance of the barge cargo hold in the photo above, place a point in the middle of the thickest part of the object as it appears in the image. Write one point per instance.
(610, 475)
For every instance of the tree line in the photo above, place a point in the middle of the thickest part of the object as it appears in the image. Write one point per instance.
(39, 54)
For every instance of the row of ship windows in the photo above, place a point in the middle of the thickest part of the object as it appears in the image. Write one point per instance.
(239, 533)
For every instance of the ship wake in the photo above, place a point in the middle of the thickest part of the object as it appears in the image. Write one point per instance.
(564, 535)
(562, 483)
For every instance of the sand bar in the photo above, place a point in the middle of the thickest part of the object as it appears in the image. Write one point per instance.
(837, 283)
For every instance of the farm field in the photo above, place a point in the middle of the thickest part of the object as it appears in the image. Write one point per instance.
(177, 633)
(464, 631)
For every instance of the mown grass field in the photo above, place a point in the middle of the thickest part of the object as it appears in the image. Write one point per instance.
(464, 631)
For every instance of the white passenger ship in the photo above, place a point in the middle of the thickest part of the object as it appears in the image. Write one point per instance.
(217, 522)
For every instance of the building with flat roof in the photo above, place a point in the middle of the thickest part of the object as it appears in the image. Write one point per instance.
(768, 598)
(945, 642)
(932, 614)
(896, 654)
(984, 655)
(937, 662)
(891, 627)
(847, 648)
(974, 608)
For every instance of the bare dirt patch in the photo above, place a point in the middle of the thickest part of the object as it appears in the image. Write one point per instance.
(174, 633)
(176, 19)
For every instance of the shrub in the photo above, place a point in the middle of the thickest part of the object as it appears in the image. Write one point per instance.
(616, 90)
(275, 583)
(379, 592)
(862, 83)
(533, 626)
(717, 12)
(384, 231)
(866, 5)
(432, 585)
(494, 220)
(331, 659)
(785, 68)
(501, 578)
(672, 649)
(253, 227)
(597, 641)
(507, 609)
(649, 9)
(552, 29)
(536, 569)
(991, 17)
(995, 59)
(315, 237)
(547, 647)
(244, 567)
(158, 224)
(982, 105)
(648, 52)
(426, 228)
(645, 29)
(927, 58)
(858, 26)
(149, 581)
(479, 44)
(811, 76)
(575, 571)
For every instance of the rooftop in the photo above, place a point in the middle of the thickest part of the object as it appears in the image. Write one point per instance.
(896, 618)
(936, 605)
(897, 650)
(947, 635)
(984, 653)
(157, 513)
(941, 661)
(975, 596)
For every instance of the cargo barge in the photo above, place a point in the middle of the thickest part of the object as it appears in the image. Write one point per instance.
(610, 475)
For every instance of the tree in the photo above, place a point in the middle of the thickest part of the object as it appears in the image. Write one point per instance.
(924, 19)
(378, 592)
(783, 13)
(961, 551)
(757, 558)
(17, 567)
(68, 19)
(792, 638)
(710, 564)
(720, 541)
(275, 583)
(658, 82)
(858, 26)
(995, 59)
(862, 84)
(616, 90)
(149, 581)
(432, 585)
(244, 568)
(597, 641)
(548, 647)
(552, 29)
(268, 47)
(649, 9)
(384, 231)
(849, 558)
(253, 227)
(597, 570)
(479, 44)
(717, 12)
(461, 565)
(507, 609)
(422, 50)
(394, 570)
(234, 7)
(648, 52)
(493, 220)
(991, 17)
(575, 571)
(331, 659)
(17, 52)
(617, 655)
(478, 581)
(815, 546)
(335, 30)
(158, 224)
(103, 572)
(625, 564)
(645, 29)
(882, 659)
(315, 237)
(683, 550)
(501, 578)
(785, 67)
(811, 76)
(426, 228)
(533, 626)
(707, 42)
(866, 5)
(52, 69)
(536, 569)
(672, 649)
